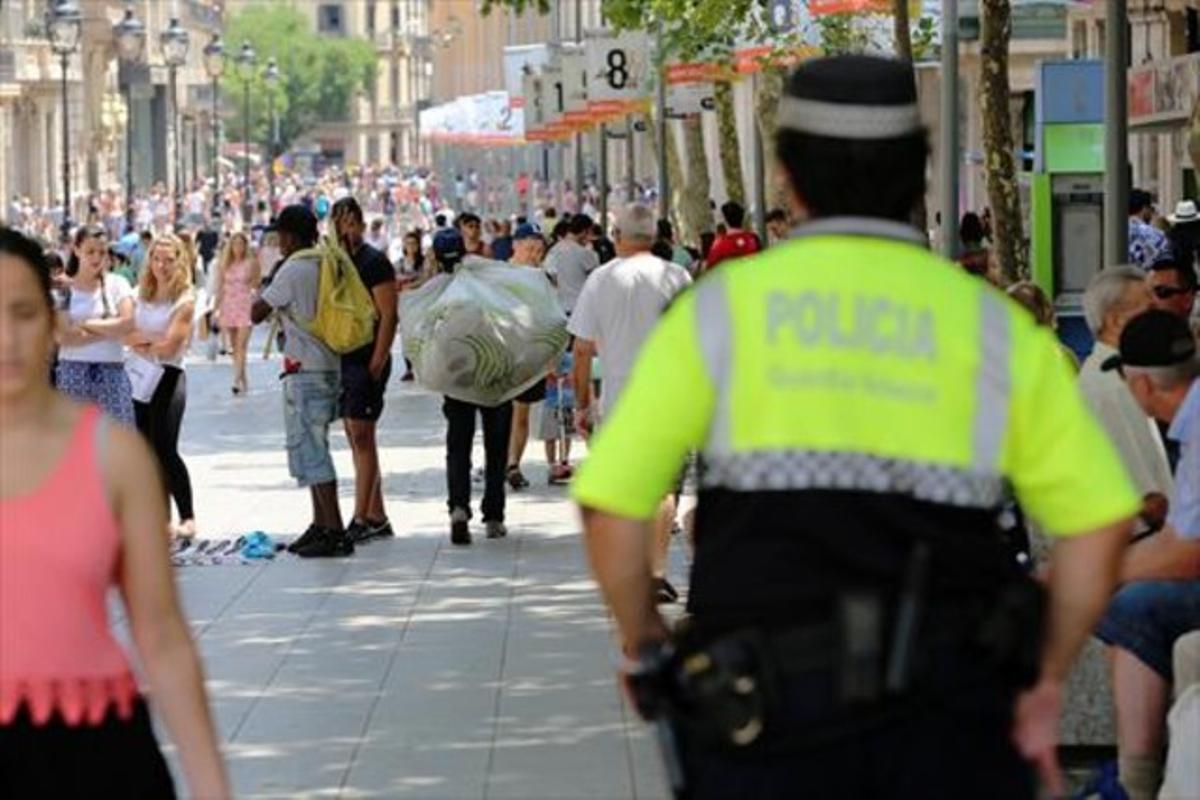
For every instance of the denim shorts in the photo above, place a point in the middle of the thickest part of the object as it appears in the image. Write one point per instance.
(1146, 617)
(310, 404)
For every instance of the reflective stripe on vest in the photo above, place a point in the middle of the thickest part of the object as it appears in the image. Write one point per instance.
(980, 485)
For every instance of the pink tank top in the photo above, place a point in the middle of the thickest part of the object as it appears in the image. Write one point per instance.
(58, 561)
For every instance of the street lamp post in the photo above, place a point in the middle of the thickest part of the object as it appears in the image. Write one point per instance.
(130, 36)
(214, 65)
(272, 78)
(174, 41)
(245, 61)
(64, 23)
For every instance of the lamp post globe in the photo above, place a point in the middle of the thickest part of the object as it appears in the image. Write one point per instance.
(174, 41)
(214, 57)
(130, 36)
(64, 24)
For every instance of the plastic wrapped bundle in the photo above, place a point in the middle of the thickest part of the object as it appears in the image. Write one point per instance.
(484, 334)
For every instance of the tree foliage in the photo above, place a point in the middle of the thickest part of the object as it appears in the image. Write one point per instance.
(319, 75)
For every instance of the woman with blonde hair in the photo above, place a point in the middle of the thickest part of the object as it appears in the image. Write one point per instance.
(238, 277)
(163, 317)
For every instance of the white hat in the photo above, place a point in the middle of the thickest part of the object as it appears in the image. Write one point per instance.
(1185, 211)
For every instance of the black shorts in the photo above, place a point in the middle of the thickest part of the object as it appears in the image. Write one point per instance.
(362, 396)
(534, 394)
(116, 758)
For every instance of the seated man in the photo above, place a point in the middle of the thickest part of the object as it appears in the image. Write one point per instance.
(1114, 297)
(1159, 600)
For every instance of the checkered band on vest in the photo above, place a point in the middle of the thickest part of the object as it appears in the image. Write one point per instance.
(796, 470)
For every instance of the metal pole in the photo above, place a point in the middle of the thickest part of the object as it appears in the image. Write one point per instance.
(579, 168)
(270, 162)
(630, 158)
(247, 210)
(664, 178)
(949, 137)
(66, 154)
(760, 168)
(174, 74)
(195, 149)
(216, 145)
(129, 216)
(1116, 138)
(602, 178)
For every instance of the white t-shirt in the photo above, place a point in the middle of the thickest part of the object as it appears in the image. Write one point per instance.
(91, 305)
(619, 307)
(570, 263)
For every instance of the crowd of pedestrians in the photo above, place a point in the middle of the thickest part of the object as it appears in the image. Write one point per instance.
(128, 302)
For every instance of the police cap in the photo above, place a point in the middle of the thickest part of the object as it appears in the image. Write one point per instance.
(858, 97)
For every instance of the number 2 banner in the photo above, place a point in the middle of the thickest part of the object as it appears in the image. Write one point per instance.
(618, 72)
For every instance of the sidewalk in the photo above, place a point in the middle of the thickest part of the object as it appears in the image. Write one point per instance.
(412, 669)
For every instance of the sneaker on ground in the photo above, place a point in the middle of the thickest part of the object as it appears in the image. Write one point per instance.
(327, 544)
(560, 474)
(365, 531)
(496, 530)
(460, 529)
(305, 539)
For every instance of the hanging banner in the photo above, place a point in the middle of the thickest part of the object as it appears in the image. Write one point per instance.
(532, 90)
(751, 58)
(819, 7)
(553, 100)
(690, 88)
(517, 61)
(574, 78)
(618, 72)
(480, 120)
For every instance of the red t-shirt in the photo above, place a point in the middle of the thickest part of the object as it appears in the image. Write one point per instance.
(734, 244)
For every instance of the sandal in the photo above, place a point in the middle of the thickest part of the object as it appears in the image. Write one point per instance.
(515, 479)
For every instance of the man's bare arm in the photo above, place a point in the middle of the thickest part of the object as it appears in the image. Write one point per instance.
(618, 552)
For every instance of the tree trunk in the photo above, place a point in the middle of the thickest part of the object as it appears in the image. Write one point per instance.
(904, 50)
(902, 31)
(694, 214)
(1008, 239)
(731, 151)
(770, 90)
(674, 168)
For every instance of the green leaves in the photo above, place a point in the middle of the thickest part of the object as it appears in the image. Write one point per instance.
(319, 75)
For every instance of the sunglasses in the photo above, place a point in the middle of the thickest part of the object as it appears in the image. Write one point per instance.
(1167, 292)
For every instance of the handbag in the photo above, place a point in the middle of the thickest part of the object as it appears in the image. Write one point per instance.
(144, 376)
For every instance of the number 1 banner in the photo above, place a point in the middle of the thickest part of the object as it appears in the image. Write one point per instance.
(618, 72)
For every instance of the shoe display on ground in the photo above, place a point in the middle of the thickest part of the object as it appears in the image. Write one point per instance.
(327, 544)
(364, 530)
(496, 530)
(460, 528)
(305, 539)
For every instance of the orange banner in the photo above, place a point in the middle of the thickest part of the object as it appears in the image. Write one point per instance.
(752, 59)
(818, 7)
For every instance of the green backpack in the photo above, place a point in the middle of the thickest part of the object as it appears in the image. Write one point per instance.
(346, 315)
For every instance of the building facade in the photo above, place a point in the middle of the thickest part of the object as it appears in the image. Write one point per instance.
(106, 103)
(1164, 38)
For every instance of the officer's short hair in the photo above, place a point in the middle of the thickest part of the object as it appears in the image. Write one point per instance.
(637, 223)
(869, 158)
(1105, 292)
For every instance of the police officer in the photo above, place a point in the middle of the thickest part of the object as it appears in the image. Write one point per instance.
(857, 627)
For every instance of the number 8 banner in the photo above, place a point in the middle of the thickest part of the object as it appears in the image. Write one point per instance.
(618, 72)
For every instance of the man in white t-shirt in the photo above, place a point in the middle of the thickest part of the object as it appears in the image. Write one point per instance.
(571, 260)
(619, 306)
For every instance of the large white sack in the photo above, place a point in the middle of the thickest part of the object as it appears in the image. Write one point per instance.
(485, 333)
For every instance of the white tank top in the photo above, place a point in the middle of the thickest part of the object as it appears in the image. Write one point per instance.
(154, 319)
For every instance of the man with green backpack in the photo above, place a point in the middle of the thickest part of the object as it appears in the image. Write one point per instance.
(325, 311)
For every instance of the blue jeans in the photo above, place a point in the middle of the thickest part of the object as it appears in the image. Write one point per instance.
(310, 405)
(1146, 617)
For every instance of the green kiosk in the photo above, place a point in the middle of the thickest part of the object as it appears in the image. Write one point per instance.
(1065, 191)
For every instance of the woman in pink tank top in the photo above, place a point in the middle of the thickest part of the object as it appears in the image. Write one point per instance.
(75, 521)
